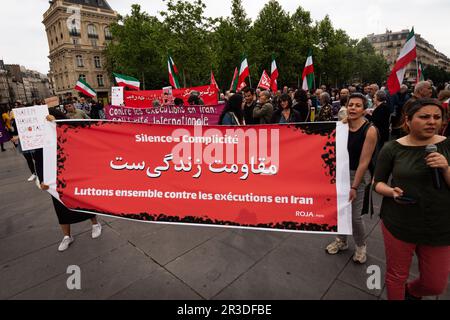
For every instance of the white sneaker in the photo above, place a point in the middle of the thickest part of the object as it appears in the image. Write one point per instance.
(65, 243)
(360, 255)
(336, 246)
(96, 230)
(32, 177)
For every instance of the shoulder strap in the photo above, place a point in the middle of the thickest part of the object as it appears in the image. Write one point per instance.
(235, 118)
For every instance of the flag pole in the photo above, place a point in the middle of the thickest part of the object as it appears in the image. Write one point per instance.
(417, 68)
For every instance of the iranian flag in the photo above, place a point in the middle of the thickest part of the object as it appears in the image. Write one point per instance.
(420, 76)
(234, 82)
(244, 72)
(274, 76)
(213, 81)
(407, 55)
(265, 81)
(173, 74)
(127, 82)
(308, 73)
(85, 89)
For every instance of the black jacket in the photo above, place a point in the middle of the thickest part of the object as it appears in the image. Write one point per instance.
(294, 116)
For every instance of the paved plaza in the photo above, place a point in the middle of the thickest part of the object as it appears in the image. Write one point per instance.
(135, 260)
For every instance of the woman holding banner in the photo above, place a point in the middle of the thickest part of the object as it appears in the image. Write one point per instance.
(362, 140)
(66, 217)
(415, 210)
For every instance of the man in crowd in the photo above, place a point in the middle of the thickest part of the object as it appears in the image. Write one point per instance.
(372, 89)
(74, 113)
(380, 116)
(398, 100)
(423, 89)
(262, 113)
(84, 106)
(249, 105)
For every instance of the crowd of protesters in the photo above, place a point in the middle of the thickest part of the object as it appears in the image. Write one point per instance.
(414, 213)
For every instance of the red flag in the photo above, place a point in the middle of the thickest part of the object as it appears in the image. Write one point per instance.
(265, 81)
(213, 81)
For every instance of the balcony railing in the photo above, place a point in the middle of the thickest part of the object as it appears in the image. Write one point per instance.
(92, 36)
(74, 33)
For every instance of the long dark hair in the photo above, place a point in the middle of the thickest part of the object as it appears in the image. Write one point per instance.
(234, 104)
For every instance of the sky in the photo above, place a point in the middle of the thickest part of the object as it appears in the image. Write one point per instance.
(23, 39)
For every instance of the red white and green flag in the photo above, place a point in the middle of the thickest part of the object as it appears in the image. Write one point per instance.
(234, 82)
(83, 87)
(420, 76)
(244, 72)
(308, 73)
(173, 74)
(407, 55)
(213, 81)
(127, 82)
(265, 81)
(274, 76)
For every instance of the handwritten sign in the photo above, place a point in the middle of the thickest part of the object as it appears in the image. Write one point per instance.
(30, 126)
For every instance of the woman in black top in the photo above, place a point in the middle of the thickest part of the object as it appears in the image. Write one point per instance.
(66, 217)
(361, 146)
(232, 114)
(301, 104)
(415, 212)
(286, 114)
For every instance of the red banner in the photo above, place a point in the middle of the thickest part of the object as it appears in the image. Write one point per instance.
(267, 177)
(144, 99)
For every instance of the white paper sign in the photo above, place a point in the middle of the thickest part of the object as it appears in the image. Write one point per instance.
(30, 126)
(117, 96)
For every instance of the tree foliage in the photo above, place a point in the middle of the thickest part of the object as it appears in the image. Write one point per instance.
(199, 44)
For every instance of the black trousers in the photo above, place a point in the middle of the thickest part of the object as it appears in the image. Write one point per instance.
(30, 162)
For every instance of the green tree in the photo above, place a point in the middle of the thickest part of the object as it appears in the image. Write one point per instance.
(270, 36)
(230, 40)
(436, 74)
(135, 50)
(188, 40)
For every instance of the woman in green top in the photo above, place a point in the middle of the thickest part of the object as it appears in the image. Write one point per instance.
(415, 213)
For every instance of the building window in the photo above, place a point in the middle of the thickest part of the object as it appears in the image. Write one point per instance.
(97, 62)
(108, 34)
(92, 32)
(80, 63)
(100, 80)
(75, 41)
(74, 32)
(82, 77)
(94, 43)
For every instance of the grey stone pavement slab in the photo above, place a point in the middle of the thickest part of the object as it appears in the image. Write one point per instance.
(135, 260)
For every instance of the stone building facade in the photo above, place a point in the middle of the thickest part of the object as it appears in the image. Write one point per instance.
(77, 33)
(389, 45)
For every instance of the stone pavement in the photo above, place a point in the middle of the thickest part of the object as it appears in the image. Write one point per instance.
(135, 260)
